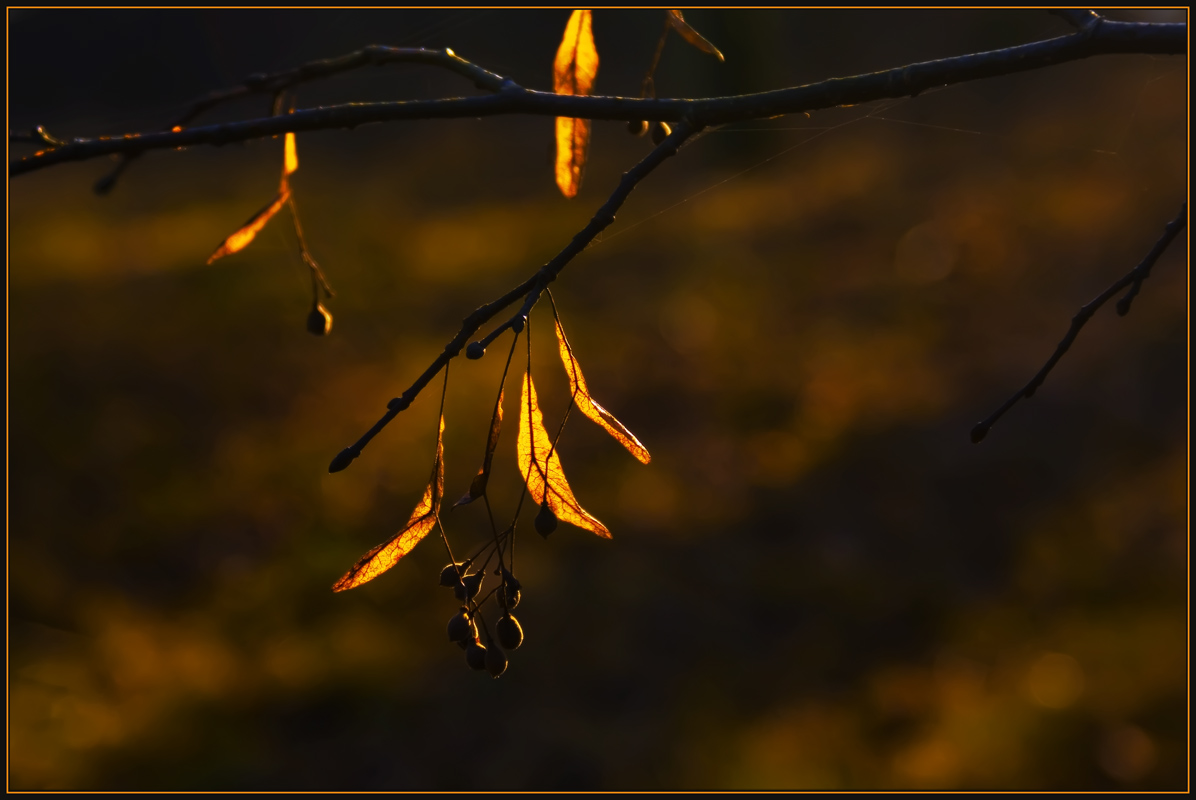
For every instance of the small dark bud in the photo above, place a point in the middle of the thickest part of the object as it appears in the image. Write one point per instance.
(509, 632)
(979, 432)
(343, 459)
(104, 185)
(398, 404)
(461, 628)
(451, 574)
(496, 660)
(319, 321)
(472, 584)
(637, 127)
(517, 325)
(475, 351)
(475, 655)
(545, 521)
(660, 131)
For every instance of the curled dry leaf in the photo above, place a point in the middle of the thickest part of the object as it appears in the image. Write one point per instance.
(573, 73)
(690, 35)
(478, 487)
(588, 406)
(241, 238)
(423, 519)
(244, 235)
(290, 159)
(541, 466)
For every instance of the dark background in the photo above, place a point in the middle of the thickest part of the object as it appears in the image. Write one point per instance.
(818, 582)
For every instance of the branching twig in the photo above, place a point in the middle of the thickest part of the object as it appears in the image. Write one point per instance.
(532, 288)
(1133, 279)
(1078, 18)
(510, 98)
(278, 82)
(38, 135)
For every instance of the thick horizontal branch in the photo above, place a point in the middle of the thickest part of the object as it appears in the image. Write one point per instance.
(1133, 279)
(1101, 38)
(530, 290)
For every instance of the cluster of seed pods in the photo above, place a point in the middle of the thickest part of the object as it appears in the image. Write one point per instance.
(463, 628)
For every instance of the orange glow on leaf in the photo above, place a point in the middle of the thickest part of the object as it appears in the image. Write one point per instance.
(478, 487)
(690, 35)
(587, 405)
(423, 519)
(290, 161)
(543, 472)
(244, 235)
(573, 73)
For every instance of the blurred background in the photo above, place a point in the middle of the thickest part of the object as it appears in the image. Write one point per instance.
(818, 582)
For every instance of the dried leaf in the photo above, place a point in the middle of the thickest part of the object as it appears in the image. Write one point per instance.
(543, 472)
(244, 235)
(290, 159)
(423, 519)
(573, 72)
(587, 405)
(690, 35)
(478, 487)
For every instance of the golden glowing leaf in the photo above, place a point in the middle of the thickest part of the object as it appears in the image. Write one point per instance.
(290, 159)
(543, 472)
(423, 519)
(587, 405)
(573, 72)
(244, 235)
(478, 487)
(690, 35)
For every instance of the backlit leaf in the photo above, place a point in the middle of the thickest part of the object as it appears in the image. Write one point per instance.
(478, 487)
(573, 73)
(244, 235)
(423, 519)
(543, 472)
(587, 405)
(690, 35)
(290, 159)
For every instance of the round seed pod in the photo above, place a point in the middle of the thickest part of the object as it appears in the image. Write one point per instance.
(509, 632)
(660, 130)
(545, 521)
(473, 584)
(461, 628)
(517, 325)
(475, 351)
(450, 575)
(509, 598)
(475, 655)
(460, 592)
(496, 660)
(319, 321)
(637, 127)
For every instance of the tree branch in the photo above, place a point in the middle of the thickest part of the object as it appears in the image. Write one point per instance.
(1080, 19)
(1107, 37)
(277, 82)
(534, 286)
(1133, 279)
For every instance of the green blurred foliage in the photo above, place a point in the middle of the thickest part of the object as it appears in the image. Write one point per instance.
(817, 582)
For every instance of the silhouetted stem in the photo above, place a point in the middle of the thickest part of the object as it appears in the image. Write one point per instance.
(1133, 279)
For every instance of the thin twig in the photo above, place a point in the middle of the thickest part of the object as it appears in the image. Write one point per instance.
(510, 98)
(1133, 279)
(278, 82)
(530, 289)
(1078, 18)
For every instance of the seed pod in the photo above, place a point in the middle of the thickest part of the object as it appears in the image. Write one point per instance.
(451, 574)
(660, 130)
(475, 655)
(473, 584)
(496, 660)
(545, 521)
(509, 632)
(319, 321)
(461, 628)
(459, 591)
(475, 351)
(510, 594)
(517, 325)
(637, 127)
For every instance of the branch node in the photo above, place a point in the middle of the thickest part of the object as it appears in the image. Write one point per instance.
(399, 404)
